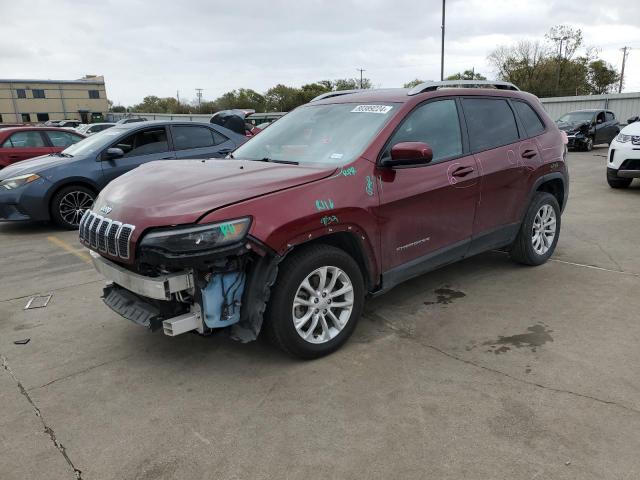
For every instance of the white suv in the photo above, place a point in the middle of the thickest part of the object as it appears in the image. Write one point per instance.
(623, 160)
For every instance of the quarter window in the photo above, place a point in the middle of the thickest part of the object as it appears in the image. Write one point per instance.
(38, 93)
(24, 140)
(63, 139)
(434, 123)
(145, 142)
(21, 93)
(192, 137)
(490, 123)
(529, 118)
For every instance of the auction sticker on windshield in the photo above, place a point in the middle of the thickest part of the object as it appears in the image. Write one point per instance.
(372, 109)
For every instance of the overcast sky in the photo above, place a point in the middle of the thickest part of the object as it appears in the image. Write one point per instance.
(156, 47)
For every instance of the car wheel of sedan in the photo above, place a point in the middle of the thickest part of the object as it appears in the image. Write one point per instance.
(69, 204)
(588, 146)
(315, 302)
(539, 232)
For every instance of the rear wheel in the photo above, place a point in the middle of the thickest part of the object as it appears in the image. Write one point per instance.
(615, 181)
(539, 232)
(316, 302)
(69, 204)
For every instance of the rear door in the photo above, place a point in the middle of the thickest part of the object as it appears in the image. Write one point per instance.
(197, 141)
(504, 162)
(426, 213)
(22, 146)
(140, 146)
(613, 127)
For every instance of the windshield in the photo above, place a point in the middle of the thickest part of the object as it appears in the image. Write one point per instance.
(334, 134)
(95, 142)
(576, 117)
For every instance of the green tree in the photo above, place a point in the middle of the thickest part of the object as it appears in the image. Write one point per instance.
(118, 109)
(282, 98)
(351, 84)
(603, 77)
(413, 83)
(467, 75)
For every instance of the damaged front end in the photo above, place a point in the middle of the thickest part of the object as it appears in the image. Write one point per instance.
(199, 278)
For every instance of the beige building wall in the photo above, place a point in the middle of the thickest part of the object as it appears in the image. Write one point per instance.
(64, 99)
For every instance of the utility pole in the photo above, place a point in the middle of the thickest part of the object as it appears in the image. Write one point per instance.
(442, 47)
(624, 59)
(561, 39)
(178, 96)
(360, 70)
(199, 95)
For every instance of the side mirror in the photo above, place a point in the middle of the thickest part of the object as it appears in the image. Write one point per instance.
(407, 154)
(599, 120)
(113, 153)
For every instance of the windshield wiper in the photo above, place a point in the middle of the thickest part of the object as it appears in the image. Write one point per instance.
(61, 154)
(287, 162)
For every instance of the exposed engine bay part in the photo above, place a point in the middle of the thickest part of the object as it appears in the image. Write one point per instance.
(222, 299)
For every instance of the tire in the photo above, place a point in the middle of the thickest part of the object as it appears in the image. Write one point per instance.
(526, 249)
(589, 145)
(615, 181)
(69, 204)
(305, 265)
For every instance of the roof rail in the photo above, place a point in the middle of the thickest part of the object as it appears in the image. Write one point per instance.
(337, 93)
(432, 86)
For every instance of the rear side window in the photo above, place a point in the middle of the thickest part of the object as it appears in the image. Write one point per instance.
(192, 137)
(24, 140)
(144, 142)
(435, 123)
(490, 123)
(63, 139)
(529, 118)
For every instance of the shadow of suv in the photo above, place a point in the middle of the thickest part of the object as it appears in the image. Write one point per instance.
(346, 196)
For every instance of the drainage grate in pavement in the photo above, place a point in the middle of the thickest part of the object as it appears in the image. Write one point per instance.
(38, 301)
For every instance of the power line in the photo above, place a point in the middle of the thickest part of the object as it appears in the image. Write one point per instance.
(624, 59)
(199, 95)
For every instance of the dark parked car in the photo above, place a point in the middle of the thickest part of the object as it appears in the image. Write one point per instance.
(22, 143)
(61, 186)
(346, 196)
(586, 128)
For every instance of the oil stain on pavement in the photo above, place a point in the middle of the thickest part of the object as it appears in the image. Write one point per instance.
(536, 336)
(445, 296)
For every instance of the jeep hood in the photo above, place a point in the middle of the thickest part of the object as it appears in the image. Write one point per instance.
(175, 192)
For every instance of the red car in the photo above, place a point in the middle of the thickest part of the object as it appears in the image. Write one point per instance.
(21, 143)
(344, 197)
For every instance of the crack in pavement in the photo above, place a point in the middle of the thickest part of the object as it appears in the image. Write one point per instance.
(51, 290)
(64, 377)
(406, 334)
(47, 429)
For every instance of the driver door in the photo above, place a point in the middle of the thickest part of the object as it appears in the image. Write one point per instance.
(141, 146)
(426, 213)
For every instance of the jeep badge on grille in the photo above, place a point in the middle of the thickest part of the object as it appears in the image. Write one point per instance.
(106, 209)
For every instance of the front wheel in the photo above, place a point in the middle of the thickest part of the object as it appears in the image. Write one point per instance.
(316, 301)
(588, 146)
(539, 232)
(615, 181)
(69, 204)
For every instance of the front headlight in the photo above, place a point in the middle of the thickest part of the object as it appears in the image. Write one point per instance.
(15, 182)
(199, 238)
(622, 138)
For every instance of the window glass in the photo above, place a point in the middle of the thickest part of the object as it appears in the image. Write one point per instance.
(21, 93)
(24, 140)
(192, 137)
(218, 138)
(38, 93)
(600, 117)
(94, 94)
(144, 142)
(434, 123)
(529, 118)
(490, 123)
(26, 117)
(62, 139)
(610, 116)
(43, 117)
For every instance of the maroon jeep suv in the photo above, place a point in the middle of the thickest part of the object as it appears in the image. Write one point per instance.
(344, 197)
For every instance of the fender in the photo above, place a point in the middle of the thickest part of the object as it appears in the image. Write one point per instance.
(63, 182)
(543, 179)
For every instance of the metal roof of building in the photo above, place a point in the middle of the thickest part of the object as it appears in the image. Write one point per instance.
(82, 81)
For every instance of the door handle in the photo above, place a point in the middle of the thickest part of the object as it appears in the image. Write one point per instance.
(462, 171)
(13, 157)
(166, 158)
(528, 154)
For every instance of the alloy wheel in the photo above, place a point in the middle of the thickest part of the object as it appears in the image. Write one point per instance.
(73, 205)
(544, 229)
(323, 304)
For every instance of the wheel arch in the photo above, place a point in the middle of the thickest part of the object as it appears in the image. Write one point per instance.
(70, 182)
(553, 183)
